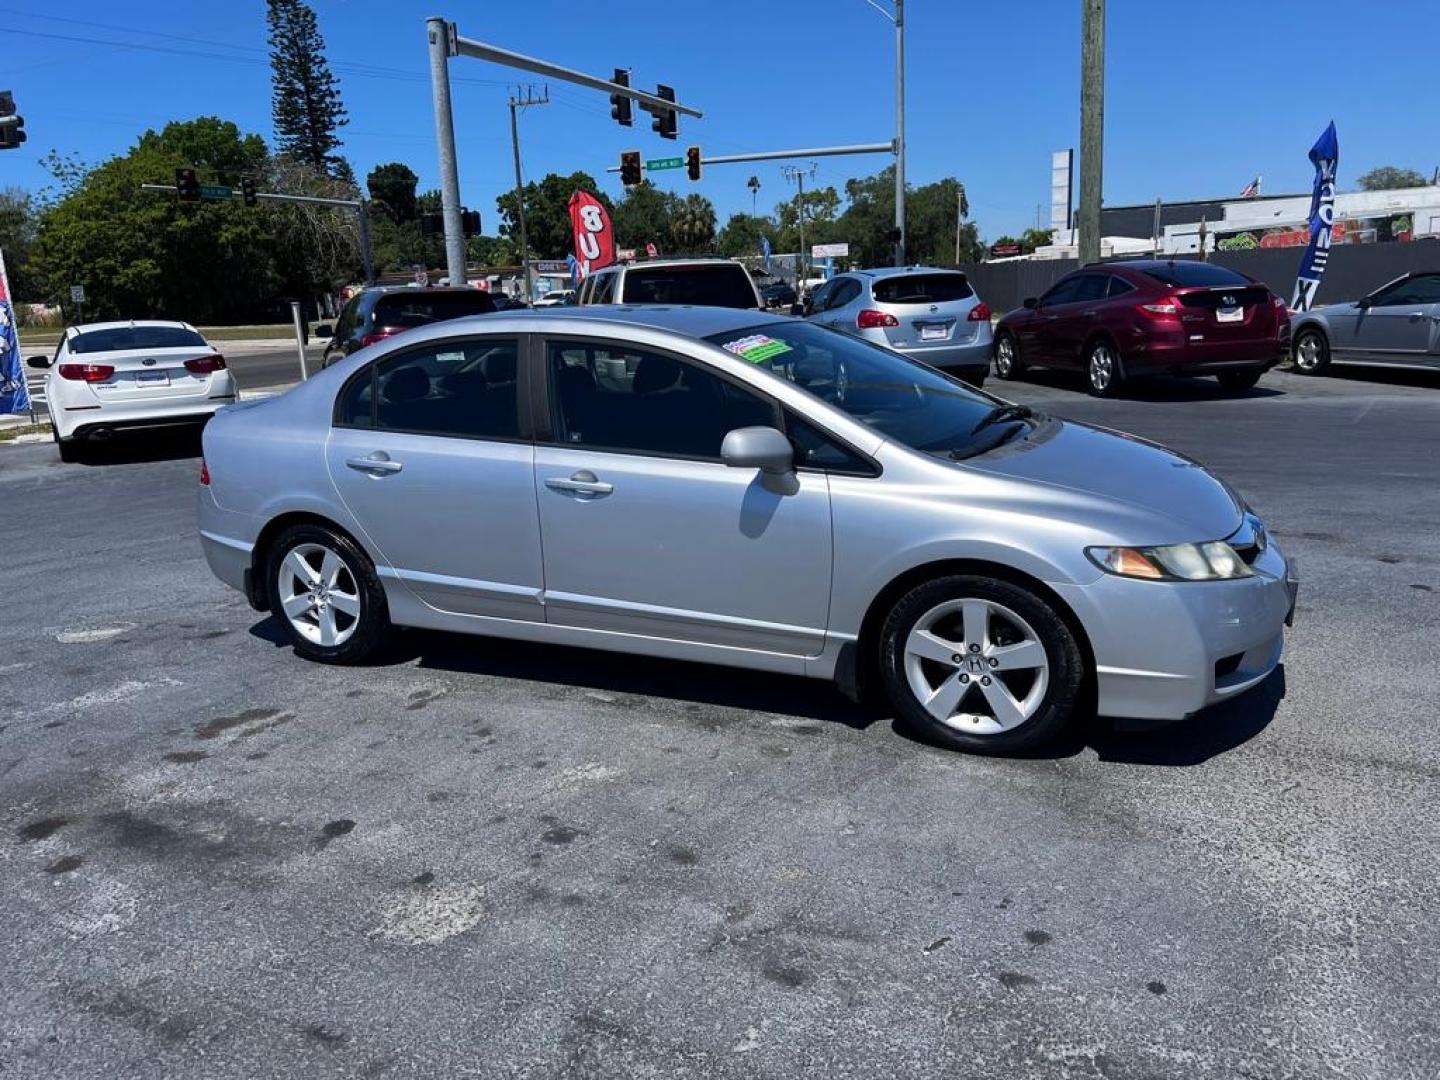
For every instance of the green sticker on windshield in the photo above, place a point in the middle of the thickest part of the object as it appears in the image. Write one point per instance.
(757, 348)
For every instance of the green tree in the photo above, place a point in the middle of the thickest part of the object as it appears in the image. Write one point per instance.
(868, 218)
(392, 186)
(1031, 239)
(1388, 177)
(19, 221)
(305, 98)
(693, 225)
(644, 216)
(493, 251)
(547, 213)
(741, 234)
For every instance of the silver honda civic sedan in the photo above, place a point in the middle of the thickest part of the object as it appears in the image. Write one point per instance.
(735, 488)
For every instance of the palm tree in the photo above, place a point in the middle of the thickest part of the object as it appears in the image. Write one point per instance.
(754, 185)
(693, 226)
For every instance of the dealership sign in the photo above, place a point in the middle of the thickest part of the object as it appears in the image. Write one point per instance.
(830, 251)
(1325, 156)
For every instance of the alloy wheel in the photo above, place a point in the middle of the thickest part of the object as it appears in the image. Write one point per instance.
(976, 666)
(1308, 353)
(319, 595)
(1004, 357)
(1101, 369)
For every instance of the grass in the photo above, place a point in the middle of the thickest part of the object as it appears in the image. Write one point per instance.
(266, 331)
(7, 434)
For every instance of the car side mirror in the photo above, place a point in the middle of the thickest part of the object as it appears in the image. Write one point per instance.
(1030, 302)
(762, 448)
(38, 361)
(324, 330)
(1365, 303)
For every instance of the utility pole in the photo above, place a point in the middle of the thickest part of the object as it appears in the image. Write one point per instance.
(1156, 231)
(900, 132)
(442, 47)
(520, 103)
(959, 199)
(1092, 126)
(797, 174)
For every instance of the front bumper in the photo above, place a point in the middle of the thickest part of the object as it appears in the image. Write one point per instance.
(1165, 650)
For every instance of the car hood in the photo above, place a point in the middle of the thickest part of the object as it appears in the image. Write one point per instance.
(1112, 466)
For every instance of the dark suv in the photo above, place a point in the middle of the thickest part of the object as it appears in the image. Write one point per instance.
(375, 314)
(1121, 319)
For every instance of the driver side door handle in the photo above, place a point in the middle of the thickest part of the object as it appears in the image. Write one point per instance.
(376, 464)
(582, 482)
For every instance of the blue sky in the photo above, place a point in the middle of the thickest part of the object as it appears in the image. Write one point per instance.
(1195, 106)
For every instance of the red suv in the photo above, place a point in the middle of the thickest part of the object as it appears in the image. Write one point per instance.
(1121, 319)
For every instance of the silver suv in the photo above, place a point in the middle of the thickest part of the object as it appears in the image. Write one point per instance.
(929, 315)
(708, 282)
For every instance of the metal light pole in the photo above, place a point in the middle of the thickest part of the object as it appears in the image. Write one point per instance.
(528, 99)
(900, 132)
(441, 49)
(1092, 126)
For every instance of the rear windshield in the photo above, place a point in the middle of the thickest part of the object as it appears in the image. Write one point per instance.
(922, 289)
(136, 337)
(421, 309)
(1195, 273)
(715, 286)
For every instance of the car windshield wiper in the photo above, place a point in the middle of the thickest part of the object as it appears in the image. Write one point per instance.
(1001, 413)
(997, 437)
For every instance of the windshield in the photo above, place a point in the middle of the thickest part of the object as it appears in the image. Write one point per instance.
(722, 285)
(136, 337)
(409, 310)
(900, 399)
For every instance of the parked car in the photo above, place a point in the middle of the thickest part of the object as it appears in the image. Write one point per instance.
(1397, 325)
(747, 489)
(556, 298)
(113, 376)
(383, 311)
(929, 315)
(1118, 320)
(777, 294)
(711, 282)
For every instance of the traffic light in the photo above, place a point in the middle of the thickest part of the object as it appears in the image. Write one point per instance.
(630, 168)
(432, 223)
(692, 162)
(12, 125)
(247, 191)
(187, 185)
(470, 222)
(664, 122)
(620, 105)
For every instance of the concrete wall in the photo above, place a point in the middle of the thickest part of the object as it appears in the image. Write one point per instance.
(1353, 271)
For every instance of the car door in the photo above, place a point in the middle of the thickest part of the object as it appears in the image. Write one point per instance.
(842, 304)
(645, 531)
(428, 453)
(1037, 336)
(1401, 323)
(1074, 320)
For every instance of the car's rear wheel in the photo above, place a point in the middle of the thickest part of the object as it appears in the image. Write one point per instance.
(1235, 381)
(1008, 364)
(325, 593)
(1311, 352)
(979, 664)
(1103, 372)
(69, 448)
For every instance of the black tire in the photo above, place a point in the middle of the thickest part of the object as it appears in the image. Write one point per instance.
(1310, 352)
(70, 449)
(1104, 372)
(371, 629)
(1238, 381)
(1065, 675)
(1008, 366)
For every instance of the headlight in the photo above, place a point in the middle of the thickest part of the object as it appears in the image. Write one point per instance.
(1213, 561)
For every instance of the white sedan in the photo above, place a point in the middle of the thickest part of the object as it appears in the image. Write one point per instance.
(140, 374)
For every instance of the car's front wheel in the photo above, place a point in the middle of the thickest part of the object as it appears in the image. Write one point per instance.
(1007, 357)
(325, 593)
(980, 664)
(1103, 373)
(1312, 352)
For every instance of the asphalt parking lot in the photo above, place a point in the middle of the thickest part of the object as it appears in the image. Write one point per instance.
(489, 859)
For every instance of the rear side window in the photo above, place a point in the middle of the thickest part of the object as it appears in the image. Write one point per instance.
(846, 290)
(1119, 287)
(136, 337)
(723, 285)
(1090, 287)
(603, 290)
(404, 310)
(464, 389)
(1187, 273)
(922, 289)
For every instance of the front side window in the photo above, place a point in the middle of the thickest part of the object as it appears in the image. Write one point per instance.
(1061, 293)
(463, 389)
(610, 397)
(1422, 289)
(1090, 287)
(603, 289)
(898, 398)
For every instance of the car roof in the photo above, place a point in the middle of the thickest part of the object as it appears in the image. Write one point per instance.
(699, 260)
(879, 272)
(690, 320)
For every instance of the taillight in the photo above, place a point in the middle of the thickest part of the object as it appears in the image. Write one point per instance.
(980, 312)
(204, 365)
(204, 473)
(1160, 308)
(380, 334)
(86, 372)
(869, 320)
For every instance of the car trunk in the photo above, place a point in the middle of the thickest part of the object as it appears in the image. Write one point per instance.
(931, 310)
(148, 374)
(1226, 314)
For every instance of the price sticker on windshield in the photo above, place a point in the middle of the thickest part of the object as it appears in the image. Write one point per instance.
(757, 348)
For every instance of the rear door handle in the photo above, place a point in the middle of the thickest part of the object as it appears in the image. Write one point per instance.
(582, 482)
(377, 464)
(1087, 314)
